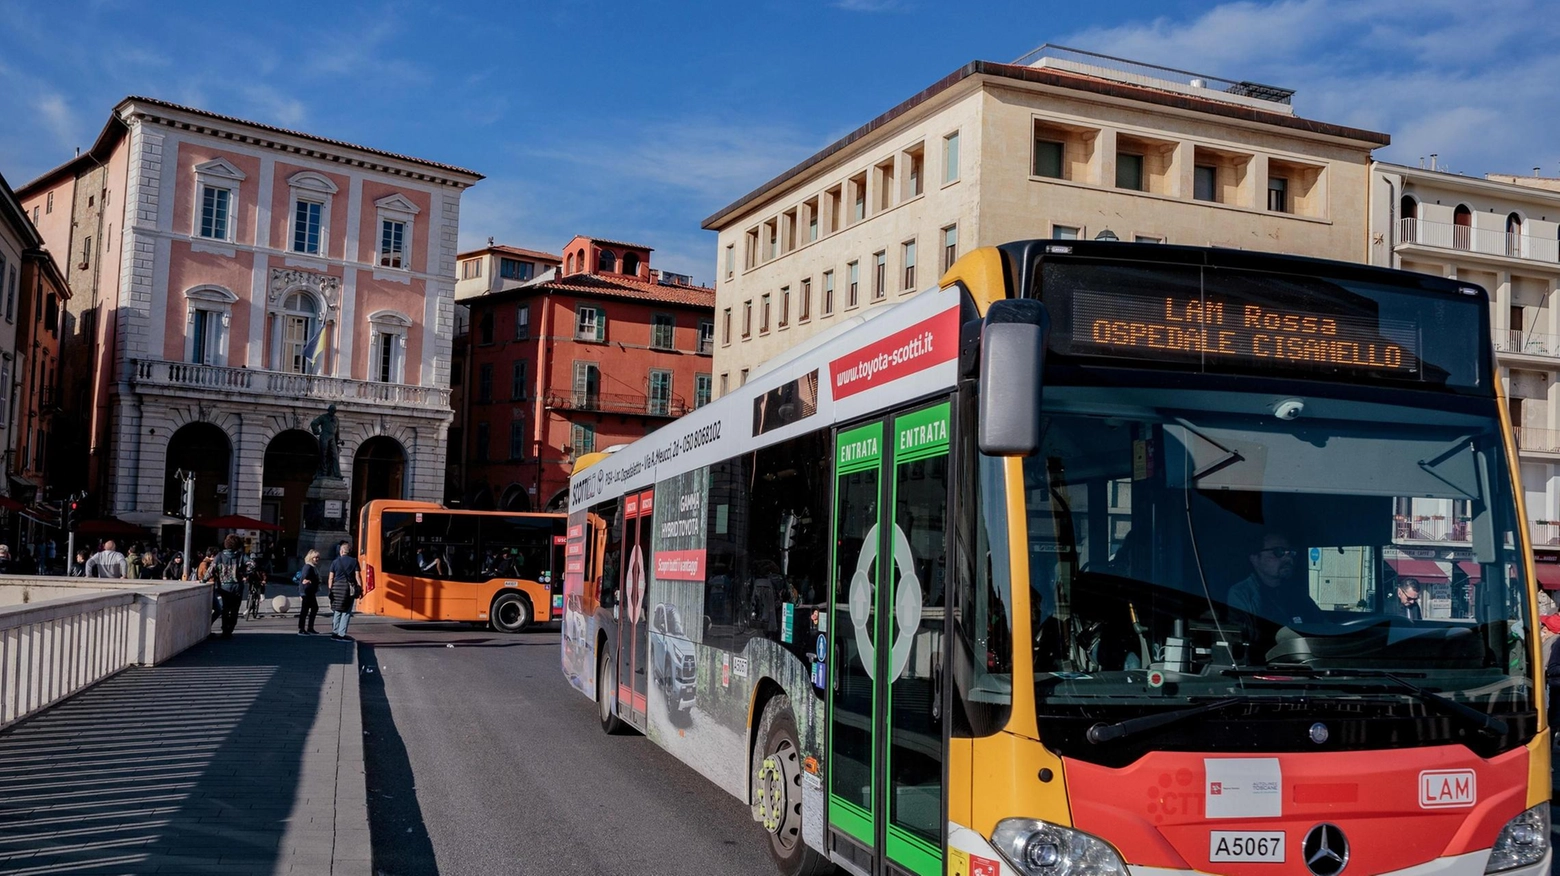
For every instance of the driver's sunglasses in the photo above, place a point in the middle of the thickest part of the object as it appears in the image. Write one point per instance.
(1279, 553)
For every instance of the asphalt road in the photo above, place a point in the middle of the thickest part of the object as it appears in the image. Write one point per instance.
(482, 759)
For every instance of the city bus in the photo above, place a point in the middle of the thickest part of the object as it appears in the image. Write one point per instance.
(1086, 562)
(422, 561)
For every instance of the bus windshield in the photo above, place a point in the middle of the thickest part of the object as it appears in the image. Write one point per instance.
(1187, 545)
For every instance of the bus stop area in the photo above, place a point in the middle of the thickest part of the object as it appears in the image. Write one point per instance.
(237, 756)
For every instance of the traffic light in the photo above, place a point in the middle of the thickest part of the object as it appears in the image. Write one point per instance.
(73, 508)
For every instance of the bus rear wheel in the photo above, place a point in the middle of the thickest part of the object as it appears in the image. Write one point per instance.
(777, 792)
(510, 613)
(606, 694)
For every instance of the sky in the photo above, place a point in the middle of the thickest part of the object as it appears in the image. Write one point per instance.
(636, 120)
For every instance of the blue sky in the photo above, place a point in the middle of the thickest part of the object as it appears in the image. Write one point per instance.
(636, 120)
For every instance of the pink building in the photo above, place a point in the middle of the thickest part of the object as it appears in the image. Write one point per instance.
(232, 280)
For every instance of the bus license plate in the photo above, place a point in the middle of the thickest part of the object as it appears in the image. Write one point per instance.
(1262, 846)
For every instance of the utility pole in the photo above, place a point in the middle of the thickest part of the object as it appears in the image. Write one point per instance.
(187, 511)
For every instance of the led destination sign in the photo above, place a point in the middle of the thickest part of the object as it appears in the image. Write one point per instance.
(1214, 327)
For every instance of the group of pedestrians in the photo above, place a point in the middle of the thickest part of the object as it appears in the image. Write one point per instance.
(230, 572)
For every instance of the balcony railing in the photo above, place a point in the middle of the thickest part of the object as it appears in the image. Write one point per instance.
(617, 403)
(279, 385)
(1545, 533)
(1538, 440)
(1430, 529)
(1489, 241)
(1528, 343)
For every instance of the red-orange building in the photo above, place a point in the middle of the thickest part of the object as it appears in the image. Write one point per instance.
(602, 354)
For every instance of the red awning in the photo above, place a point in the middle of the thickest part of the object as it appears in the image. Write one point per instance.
(1419, 570)
(1548, 575)
(236, 521)
(1472, 570)
(9, 504)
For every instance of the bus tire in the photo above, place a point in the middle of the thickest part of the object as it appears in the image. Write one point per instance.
(606, 694)
(777, 792)
(510, 613)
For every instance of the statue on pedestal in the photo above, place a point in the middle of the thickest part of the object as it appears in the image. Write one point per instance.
(326, 432)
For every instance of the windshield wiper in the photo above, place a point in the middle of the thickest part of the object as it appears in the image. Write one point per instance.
(1484, 722)
(1132, 726)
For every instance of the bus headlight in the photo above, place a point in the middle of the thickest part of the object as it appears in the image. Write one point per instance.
(1038, 848)
(1522, 842)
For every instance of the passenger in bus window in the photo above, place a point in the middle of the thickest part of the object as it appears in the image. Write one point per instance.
(1273, 593)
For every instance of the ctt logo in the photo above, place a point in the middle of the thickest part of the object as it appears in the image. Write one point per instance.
(1447, 789)
(1216, 788)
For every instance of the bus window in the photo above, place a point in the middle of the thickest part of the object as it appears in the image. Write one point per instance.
(452, 540)
(398, 543)
(516, 547)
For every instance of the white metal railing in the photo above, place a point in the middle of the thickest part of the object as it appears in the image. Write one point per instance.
(1528, 343)
(1490, 241)
(52, 648)
(1539, 440)
(272, 384)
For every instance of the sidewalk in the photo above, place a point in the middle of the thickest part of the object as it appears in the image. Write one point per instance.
(239, 756)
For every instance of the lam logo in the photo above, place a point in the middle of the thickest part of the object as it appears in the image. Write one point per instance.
(1447, 789)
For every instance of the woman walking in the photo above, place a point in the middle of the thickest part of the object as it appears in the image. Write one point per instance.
(308, 592)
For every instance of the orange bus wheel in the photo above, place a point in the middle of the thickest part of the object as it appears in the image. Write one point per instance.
(511, 613)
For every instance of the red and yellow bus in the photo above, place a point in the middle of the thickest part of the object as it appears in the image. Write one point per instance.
(428, 562)
(1086, 562)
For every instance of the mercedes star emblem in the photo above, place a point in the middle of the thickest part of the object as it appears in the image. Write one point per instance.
(1326, 850)
(1319, 733)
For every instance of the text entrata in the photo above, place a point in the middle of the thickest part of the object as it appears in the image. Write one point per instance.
(1211, 327)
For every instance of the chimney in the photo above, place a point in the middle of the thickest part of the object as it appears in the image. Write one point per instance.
(1535, 171)
(1433, 161)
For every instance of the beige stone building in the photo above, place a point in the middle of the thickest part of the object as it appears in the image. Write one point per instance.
(1502, 233)
(1060, 144)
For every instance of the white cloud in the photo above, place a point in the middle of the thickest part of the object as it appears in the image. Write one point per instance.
(59, 120)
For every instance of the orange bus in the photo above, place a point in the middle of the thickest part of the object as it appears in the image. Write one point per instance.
(423, 561)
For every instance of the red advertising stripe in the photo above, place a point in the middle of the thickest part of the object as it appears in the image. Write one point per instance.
(680, 565)
(929, 342)
(631, 506)
(646, 502)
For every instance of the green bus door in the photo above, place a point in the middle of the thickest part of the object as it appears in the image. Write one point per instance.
(886, 738)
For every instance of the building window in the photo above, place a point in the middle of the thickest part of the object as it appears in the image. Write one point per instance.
(1064, 232)
(950, 246)
(707, 335)
(742, 378)
(701, 390)
(1129, 171)
(908, 253)
(35, 214)
(763, 314)
(812, 222)
(804, 306)
(517, 381)
(731, 260)
(207, 330)
(785, 306)
(514, 269)
(660, 393)
(86, 258)
(471, 269)
(1205, 182)
(725, 326)
(485, 327)
(590, 324)
(915, 169)
(725, 383)
(485, 383)
(879, 274)
(587, 386)
(483, 440)
(747, 319)
(385, 345)
(49, 204)
(1278, 194)
(828, 293)
(663, 329)
(606, 261)
(215, 204)
(858, 198)
(522, 322)
(852, 284)
(306, 226)
(303, 335)
(1147, 238)
(582, 439)
(951, 157)
(517, 438)
(1048, 158)
(392, 244)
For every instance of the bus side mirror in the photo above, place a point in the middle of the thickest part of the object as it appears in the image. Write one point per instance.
(1012, 359)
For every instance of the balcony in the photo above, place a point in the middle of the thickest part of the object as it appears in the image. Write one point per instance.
(282, 386)
(1445, 235)
(1537, 440)
(1430, 529)
(1545, 533)
(1528, 343)
(617, 403)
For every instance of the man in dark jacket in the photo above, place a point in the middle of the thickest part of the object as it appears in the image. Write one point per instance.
(346, 585)
(227, 573)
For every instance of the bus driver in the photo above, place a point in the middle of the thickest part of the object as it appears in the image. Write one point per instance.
(1272, 592)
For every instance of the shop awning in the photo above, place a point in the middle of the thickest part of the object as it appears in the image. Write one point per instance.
(1473, 570)
(9, 504)
(1548, 575)
(1419, 570)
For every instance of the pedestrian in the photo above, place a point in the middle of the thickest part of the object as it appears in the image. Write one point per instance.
(78, 566)
(346, 586)
(173, 570)
(255, 580)
(226, 572)
(133, 562)
(308, 593)
(7, 563)
(106, 563)
(151, 567)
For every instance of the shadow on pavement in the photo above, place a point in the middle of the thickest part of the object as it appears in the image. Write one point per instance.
(188, 767)
(395, 820)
